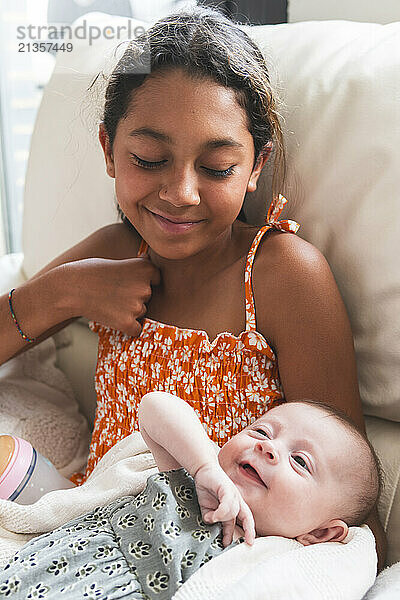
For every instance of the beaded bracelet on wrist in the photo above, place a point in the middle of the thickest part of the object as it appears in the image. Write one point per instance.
(14, 318)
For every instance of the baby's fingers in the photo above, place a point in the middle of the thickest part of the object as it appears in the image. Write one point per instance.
(208, 517)
(228, 528)
(246, 517)
(227, 510)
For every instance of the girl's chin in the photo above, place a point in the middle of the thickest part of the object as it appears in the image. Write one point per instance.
(168, 253)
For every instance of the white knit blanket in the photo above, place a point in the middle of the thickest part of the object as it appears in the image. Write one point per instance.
(123, 470)
(274, 568)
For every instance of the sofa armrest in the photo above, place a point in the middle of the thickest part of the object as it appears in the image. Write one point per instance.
(77, 359)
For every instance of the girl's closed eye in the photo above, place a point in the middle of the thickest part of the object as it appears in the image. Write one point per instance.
(147, 164)
(220, 173)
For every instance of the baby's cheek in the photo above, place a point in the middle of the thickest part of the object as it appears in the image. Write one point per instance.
(286, 512)
(301, 515)
(225, 457)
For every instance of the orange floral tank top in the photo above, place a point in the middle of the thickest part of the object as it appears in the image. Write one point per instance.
(229, 381)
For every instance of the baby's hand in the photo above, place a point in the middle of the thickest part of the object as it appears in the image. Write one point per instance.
(221, 501)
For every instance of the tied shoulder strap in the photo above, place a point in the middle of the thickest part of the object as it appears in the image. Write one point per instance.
(272, 223)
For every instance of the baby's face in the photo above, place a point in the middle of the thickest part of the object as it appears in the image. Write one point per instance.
(288, 465)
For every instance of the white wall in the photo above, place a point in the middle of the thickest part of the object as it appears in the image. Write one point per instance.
(371, 11)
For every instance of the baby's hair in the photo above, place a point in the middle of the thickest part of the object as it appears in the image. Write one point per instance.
(206, 45)
(366, 482)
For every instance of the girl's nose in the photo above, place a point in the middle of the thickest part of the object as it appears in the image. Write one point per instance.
(180, 189)
(268, 450)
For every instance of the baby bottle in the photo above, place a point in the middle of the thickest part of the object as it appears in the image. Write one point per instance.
(25, 475)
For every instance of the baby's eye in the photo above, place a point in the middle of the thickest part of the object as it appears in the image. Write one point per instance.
(300, 461)
(263, 432)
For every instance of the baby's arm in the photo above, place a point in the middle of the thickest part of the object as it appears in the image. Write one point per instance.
(174, 434)
(176, 437)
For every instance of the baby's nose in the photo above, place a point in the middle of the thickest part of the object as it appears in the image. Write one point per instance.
(268, 450)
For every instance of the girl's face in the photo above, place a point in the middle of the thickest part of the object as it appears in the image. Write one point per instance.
(182, 160)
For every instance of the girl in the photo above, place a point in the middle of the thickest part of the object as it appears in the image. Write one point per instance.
(185, 296)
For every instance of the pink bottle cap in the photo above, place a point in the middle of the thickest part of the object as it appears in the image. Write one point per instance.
(17, 468)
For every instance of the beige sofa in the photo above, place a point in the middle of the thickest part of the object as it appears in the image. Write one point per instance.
(340, 83)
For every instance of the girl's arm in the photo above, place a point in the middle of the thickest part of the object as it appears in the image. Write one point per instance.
(301, 312)
(40, 309)
(97, 279)
(176, 437)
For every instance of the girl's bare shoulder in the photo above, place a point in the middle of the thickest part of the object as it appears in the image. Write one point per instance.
(291, 277)
(299, 310)
(289, 254)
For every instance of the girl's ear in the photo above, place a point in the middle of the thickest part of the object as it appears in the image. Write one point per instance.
(255, 174)
(334, 531)
(105, 144)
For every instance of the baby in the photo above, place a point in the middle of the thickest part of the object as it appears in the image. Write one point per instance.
(301, 471)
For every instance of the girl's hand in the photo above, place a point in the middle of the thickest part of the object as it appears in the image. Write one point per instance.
(220, 501)
(113, 292)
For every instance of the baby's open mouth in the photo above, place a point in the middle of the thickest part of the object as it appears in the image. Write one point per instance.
(252, 473)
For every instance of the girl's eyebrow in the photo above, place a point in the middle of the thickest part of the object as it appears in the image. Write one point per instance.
(163, 137)
(147, 131)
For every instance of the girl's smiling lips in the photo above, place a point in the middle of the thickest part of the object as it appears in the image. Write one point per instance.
(173, 225)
